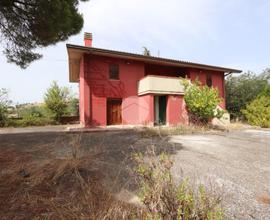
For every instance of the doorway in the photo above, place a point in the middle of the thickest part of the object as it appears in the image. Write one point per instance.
(160, 103)
(114, 111)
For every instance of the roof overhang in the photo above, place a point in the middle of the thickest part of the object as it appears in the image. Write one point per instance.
(76, 52)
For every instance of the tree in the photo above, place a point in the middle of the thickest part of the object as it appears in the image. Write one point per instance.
(241, 90)
(202, 101)
(56, 100)
(258, 112)
(4, 103)
(26, 25)
(146, 52)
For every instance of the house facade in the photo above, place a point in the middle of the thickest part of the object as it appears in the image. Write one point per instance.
(119, 88)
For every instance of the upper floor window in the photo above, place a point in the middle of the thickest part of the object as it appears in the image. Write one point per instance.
(209, 80)
(114, 71)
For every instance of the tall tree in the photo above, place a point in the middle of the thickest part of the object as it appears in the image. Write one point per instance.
(26, 25)
(56, 100)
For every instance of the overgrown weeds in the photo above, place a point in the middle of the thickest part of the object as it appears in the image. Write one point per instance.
(176, 130)
(166, 200)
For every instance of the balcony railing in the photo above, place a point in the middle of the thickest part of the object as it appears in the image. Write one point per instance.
(160, 85)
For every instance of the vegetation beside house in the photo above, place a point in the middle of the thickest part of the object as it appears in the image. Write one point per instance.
(202, 102)
(258, 111)
(60, 106)
(247, 97)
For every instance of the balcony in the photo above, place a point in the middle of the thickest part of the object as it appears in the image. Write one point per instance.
(160, 85)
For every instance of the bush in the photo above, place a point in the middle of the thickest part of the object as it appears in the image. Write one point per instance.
(202, 101)
(73, 107)
(166, 200)
(243, 89)
(258, 112)
(4, 102)
(33, 111)
(56, 100)
(29, 121)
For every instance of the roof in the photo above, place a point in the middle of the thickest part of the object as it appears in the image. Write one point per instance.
(75, 52)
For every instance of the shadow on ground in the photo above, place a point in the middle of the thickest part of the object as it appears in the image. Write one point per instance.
(111, 155)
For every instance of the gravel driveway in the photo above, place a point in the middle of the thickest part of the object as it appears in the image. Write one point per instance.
(238, 162)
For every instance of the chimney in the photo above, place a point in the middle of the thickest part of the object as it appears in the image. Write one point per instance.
(88, 39)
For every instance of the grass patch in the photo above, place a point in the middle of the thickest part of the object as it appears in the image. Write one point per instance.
(176, 130)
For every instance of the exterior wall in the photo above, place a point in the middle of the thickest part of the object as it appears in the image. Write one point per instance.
(96, 88)
(176, 110)
(96, 71)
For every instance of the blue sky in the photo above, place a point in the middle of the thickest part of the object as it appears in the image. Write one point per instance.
(231, 33)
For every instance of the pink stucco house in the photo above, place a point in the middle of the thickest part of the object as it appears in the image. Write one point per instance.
(131, 89)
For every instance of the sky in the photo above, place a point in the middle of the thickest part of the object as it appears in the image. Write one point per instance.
(231, 33)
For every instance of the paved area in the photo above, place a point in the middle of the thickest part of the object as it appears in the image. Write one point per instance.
(236, 164)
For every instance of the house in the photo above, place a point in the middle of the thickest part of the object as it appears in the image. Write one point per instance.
(131, 89)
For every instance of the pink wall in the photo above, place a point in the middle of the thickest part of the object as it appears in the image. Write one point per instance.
(96, 87)
(97, 77)
(176, 110)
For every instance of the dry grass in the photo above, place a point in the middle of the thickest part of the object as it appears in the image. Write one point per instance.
(70, 187)
(165, 199)
(176, 130)
(66, 188)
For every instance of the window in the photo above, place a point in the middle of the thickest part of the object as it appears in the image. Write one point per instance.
(114, 71)
(209, 80)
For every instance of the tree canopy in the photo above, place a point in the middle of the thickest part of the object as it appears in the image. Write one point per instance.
(56, 100)
(26, 25)
(243, 89)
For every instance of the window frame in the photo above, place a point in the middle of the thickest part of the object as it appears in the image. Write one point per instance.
(111, 74)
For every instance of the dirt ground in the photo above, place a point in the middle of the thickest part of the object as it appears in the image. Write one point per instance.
(236, 164)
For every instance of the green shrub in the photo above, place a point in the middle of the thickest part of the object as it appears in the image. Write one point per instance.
(73, 107)
(34, 111)
(202, 101)
(265, 92)
(258, 112)
(166, 200)
(29, 121)
(56, 100)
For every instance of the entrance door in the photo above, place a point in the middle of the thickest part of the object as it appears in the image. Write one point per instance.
(114, 112)
(160, 110)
